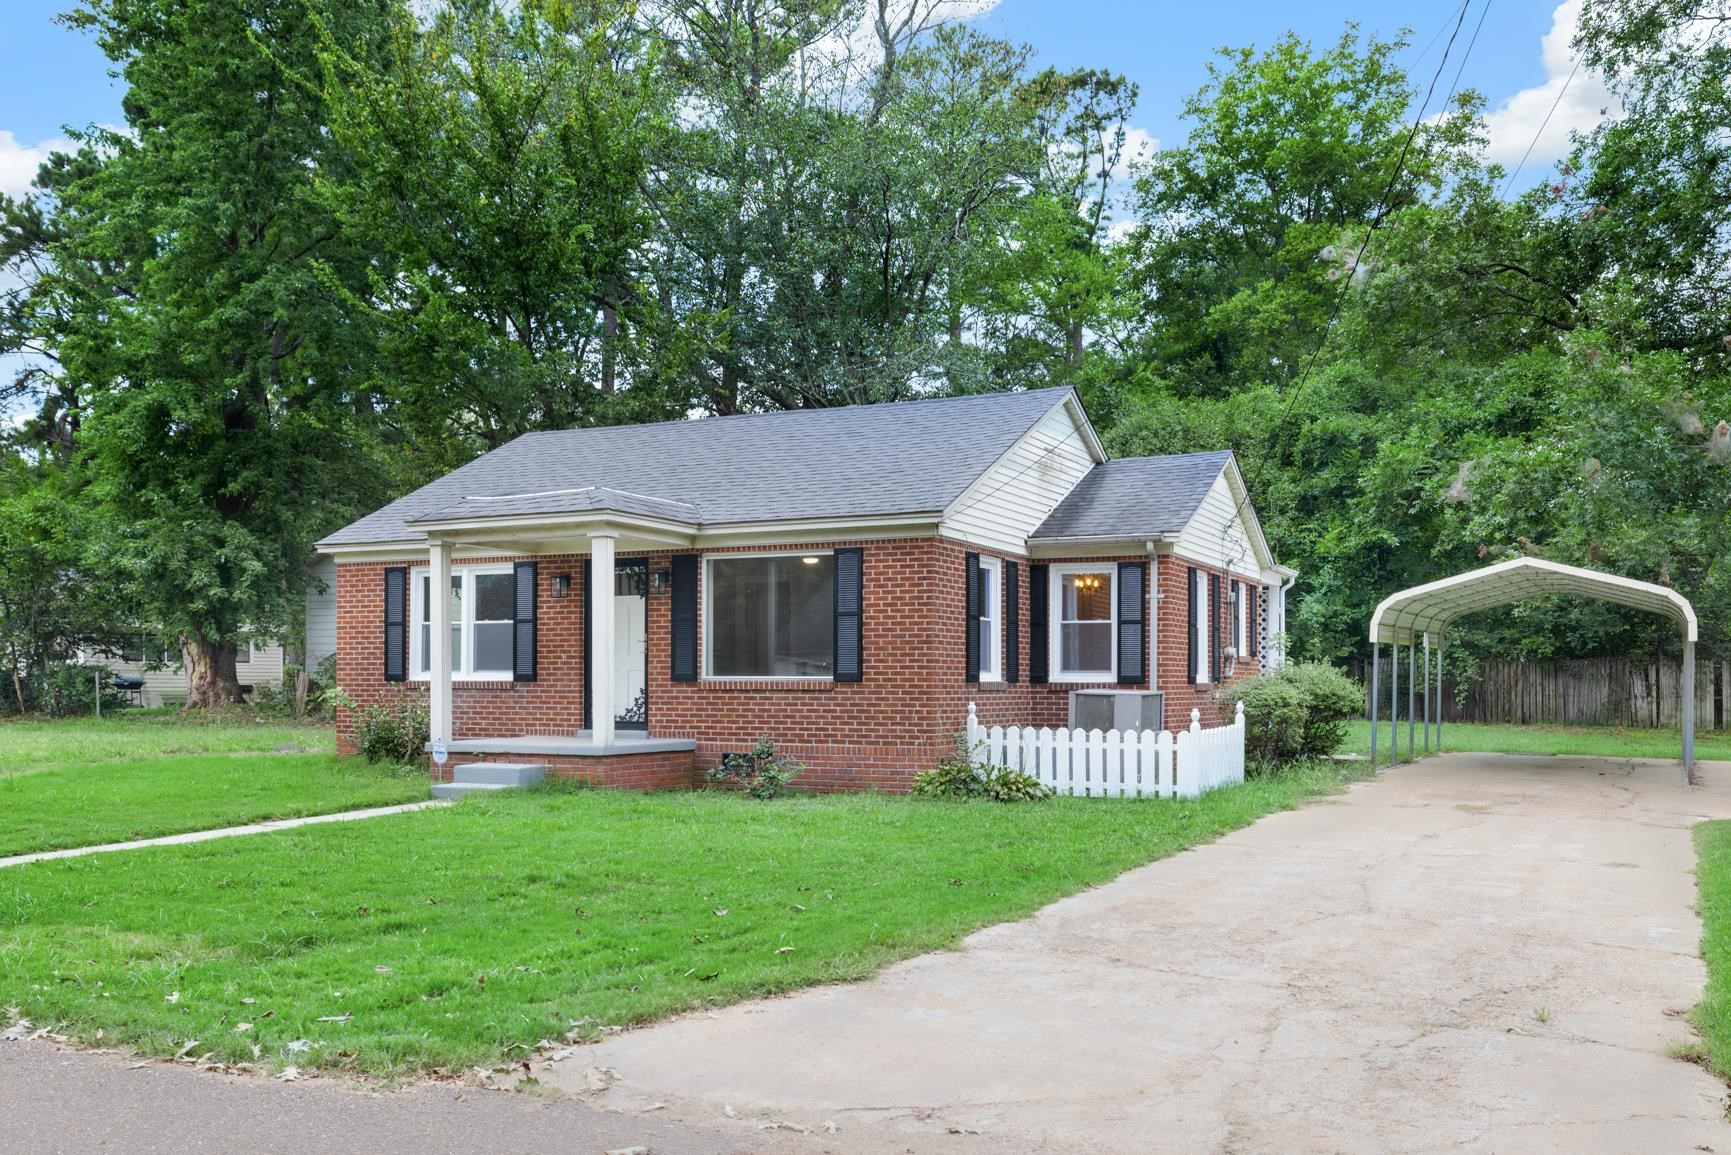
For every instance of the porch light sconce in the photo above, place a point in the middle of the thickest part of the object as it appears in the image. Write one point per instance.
(561, 585)
(660, 581)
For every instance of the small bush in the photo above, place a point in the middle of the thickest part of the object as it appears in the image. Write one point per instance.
(1295, 712)
(394, 729)
(762, 773)
(67, 690)
(957, 777)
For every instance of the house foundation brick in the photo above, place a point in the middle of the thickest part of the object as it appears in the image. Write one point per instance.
(907, 712)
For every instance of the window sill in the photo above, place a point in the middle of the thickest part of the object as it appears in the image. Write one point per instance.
(1090, 678)
(469, 679)
(798, 685)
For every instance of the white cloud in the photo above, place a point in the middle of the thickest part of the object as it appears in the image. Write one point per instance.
(19, 162)
(1515, 124)
(1140, 145)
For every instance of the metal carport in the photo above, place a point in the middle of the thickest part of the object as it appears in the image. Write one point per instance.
(1421, 615)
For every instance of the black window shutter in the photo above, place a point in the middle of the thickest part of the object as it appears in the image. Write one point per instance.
(683, 625)
(1191, 625)
(525, 575)
(588, 613)
(1132, 597)
(397, 624)
(1012, 622)
(1038, 638)
(849, 607)
(1214, 667)
(973, 644)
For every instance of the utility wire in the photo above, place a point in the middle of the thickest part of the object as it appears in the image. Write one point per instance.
(1555, 104)
(1383, 208)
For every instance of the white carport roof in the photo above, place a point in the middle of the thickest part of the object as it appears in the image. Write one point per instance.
(1429, 609)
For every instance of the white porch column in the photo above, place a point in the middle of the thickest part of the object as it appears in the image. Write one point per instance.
(439, 640)
(600, 613)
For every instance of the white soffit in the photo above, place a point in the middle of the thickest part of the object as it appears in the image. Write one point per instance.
(1431, 608)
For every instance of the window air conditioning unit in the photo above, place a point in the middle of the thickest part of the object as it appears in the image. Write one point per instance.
(1117, 710)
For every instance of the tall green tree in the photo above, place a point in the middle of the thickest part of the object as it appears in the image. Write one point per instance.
(1245, 228)
(220, 431)
(500, 157)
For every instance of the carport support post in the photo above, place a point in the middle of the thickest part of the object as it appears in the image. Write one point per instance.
(1427, 693)
(1439, 693)
(1375, 677)
(1688, 711)
(1393, 702)
(1411, 696)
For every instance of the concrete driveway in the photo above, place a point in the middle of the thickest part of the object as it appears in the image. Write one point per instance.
(1479, 953)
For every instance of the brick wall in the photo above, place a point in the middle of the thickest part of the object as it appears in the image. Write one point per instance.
(903, 716)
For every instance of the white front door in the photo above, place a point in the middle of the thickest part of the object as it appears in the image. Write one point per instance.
(631, 658)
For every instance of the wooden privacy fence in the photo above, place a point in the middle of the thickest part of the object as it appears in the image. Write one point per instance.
(1117, 764)
(1582, 692)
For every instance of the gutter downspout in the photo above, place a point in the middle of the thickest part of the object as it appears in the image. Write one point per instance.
(1284, 586)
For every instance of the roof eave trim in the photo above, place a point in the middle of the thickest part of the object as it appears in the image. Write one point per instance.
(1071, 401)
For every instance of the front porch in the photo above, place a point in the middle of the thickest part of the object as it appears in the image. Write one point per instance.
(630, 761)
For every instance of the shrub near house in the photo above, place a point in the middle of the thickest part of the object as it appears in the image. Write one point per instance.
(1296, 712)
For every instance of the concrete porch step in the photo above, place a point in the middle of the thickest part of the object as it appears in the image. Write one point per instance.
(498, 773)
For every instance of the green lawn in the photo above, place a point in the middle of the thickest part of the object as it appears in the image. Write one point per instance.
(83, 805)
(1596, 741)
(134, 734)
(459, 936)
(1712, 1015)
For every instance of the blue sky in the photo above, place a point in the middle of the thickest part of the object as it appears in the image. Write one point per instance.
(51, 76)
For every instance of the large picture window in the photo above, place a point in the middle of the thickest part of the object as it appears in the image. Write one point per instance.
(770, 616)
(1083, 623)
(482, 600)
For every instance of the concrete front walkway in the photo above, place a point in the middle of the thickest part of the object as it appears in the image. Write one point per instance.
(1473, 953)
(222, 832)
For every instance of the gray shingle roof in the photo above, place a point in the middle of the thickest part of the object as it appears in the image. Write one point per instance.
(854, 461)
(1133, 496)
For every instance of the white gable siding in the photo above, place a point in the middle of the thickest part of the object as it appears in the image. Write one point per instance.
(1022, 489)
(1216, 535)
(321, 636)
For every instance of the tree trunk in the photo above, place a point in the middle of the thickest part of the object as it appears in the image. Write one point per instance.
(211, 679)
(609, 346)
(1076, 346)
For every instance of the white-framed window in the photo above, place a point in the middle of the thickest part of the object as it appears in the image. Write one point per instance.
(242, 651)
(769, 615)
(1199, 627)
(991, 619)
(483, 601)
(1084, 617)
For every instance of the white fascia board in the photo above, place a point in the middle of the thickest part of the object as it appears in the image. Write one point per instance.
(1247, 513)
(1114, 544)
(1069, 402)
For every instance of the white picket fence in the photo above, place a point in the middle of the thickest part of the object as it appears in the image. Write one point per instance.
(1117, 764)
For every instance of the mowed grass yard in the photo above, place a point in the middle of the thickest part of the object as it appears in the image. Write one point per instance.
(463, 936)
(1712, 1015)
(84, 782)
(1585, 741)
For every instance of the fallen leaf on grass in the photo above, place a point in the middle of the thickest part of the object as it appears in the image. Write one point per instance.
(186, 1050)
(247, 1002)
(171, 998)
(721, 912)
(782, 949)
(383, 970)
(334, 1018)
(242, 1028)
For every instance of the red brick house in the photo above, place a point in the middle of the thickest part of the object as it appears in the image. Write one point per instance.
(844, 581)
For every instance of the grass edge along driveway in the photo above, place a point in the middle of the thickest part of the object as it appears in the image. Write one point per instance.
(1712, 1015)
(457, 937)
